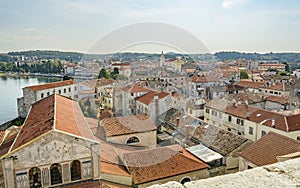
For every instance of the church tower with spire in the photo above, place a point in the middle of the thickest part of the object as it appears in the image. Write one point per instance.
(162, 59)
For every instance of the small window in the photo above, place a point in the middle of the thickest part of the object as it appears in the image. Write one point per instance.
(251, 130)
(59, 91)
(229, 118)
(75, 88)
(42, 95)
(207, 110)
(263, 133)
(184, 180)
(48, 93)
(132, 94)
(133, 140)
(65, 90)
(69, 89)
(228, 129)
(298, 138)
(239, 133)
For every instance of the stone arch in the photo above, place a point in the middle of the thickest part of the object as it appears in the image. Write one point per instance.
(35, 177)
(56, 174)
(132, 140)
(75, 170)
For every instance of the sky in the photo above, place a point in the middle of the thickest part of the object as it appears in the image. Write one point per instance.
(221, 25)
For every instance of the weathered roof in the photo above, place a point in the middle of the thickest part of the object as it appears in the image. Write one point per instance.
(265, 150)
(203, 79)
(249, 84)
(50, 114)
(51, 85)
(130, 124)
(281, 100)
(149, 97)
(149, 165)
(217, 139)
(135, 89)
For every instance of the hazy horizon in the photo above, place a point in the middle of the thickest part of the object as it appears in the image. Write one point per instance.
(222, 25)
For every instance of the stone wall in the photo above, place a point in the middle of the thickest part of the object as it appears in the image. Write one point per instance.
(147, 139)
(283, 174)
(51, 148)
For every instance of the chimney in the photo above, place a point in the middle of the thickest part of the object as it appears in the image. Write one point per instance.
(187, 132)
(273, 123)
(177, 122)
(156, 108)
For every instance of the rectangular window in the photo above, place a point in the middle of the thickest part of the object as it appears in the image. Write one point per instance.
(251, 130)
(239, 121)
(65, 90)
(42, 95)
(263, 133)
(59, 91)
(48, 93)
(229, 118)
(69, 89)
(75, 88)
(207, 110)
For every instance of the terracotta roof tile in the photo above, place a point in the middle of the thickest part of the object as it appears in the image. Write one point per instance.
(2, 134)
(127, 124)
(85, 184)
(265, 150)
(149, 97)
(51, 85)
(249, 84)
(135, 89)
(163, 162)
(69, 118)
(202, 79)
(56, 110)
(281, 100)
(217, 139)
(112, 168)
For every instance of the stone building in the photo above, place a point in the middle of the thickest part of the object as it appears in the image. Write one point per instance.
(54, 147)
(133, 130)
(147, 104)
(268, 150)
(129, 93)
(31, 94)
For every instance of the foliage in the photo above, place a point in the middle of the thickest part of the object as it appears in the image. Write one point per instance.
(103, 73)
(115, 73)
(243, 74)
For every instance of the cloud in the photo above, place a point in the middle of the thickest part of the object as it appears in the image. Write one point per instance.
(228, 4)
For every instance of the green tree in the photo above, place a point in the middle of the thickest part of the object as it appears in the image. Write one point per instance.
(243, 74)
(103, 73)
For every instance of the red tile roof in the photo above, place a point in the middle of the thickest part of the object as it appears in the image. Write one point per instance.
(115, 126)
(278, 87)
(149, 97)
(51, 85)
(282, 122)
(2, 134)
(202, 79)
(135, 89)
(53, 113)
(281, 100)
(159, 163)
(249, 84)
(265, 150)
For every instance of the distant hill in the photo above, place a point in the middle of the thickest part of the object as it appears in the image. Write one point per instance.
(282, 57)
(46, 54)
(130, 56)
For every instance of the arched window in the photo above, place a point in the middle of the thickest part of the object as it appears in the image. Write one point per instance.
(184, 180)
(35, 178)
(55, 171)
(75, 170)
(133, 140)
